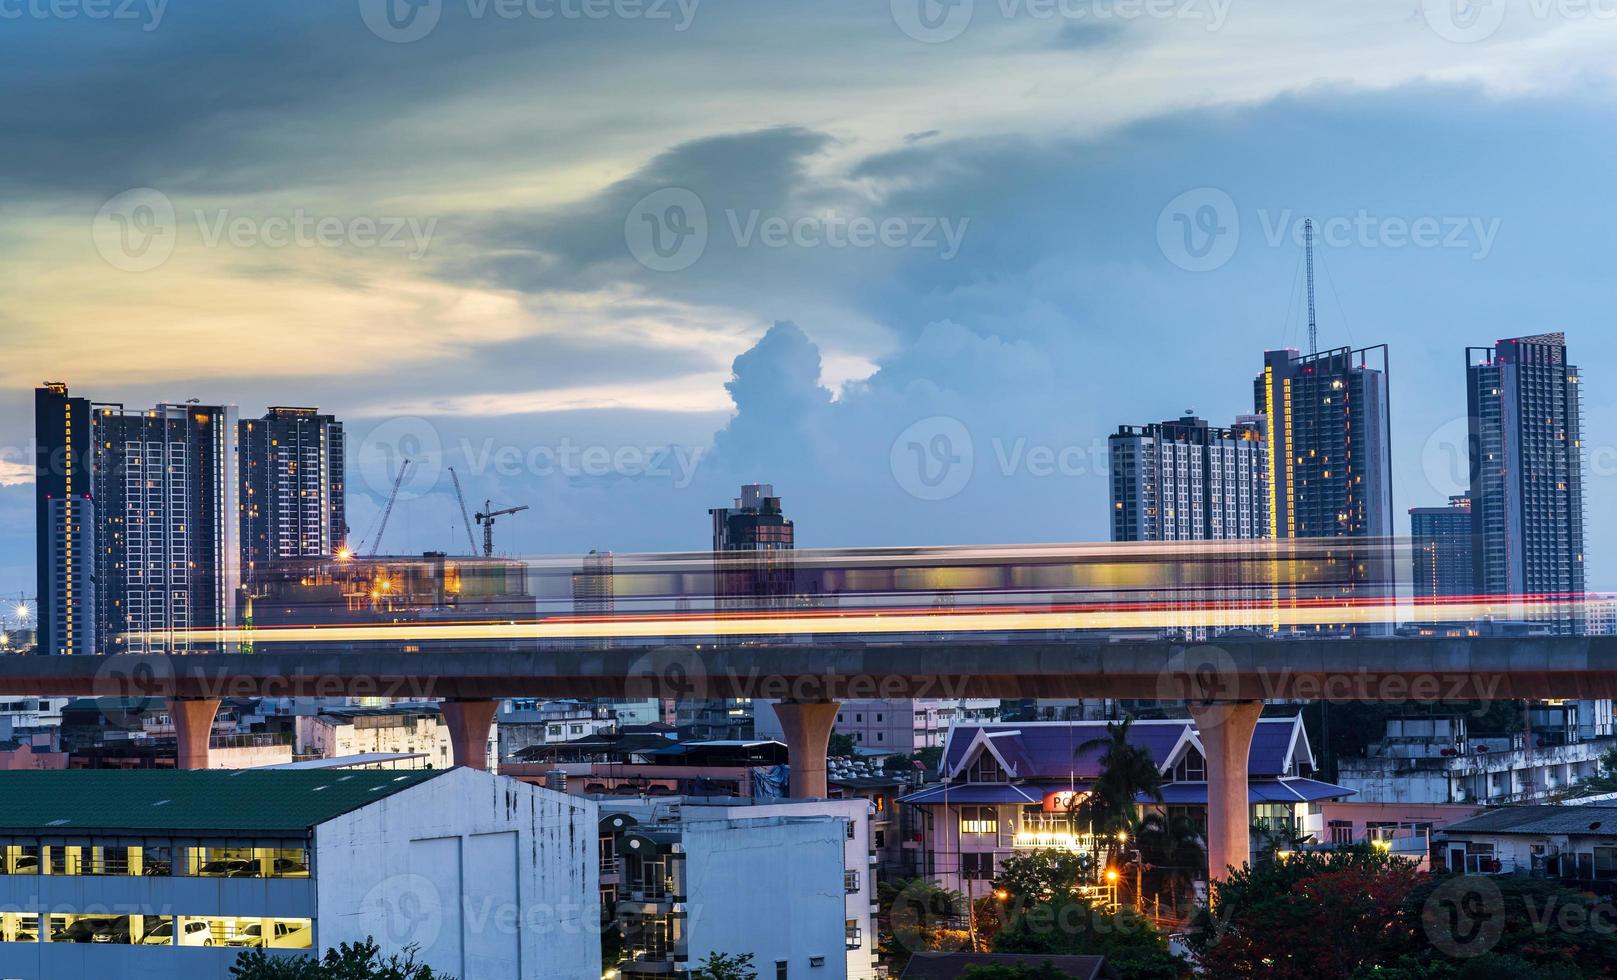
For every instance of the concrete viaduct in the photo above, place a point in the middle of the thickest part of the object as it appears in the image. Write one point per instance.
(1225, 683)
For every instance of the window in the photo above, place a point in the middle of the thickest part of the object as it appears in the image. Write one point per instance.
(979, 820)
(1341, 831)
(248, 862)
(977, 867)
(985, 769)
(780, 970)
(19, 927)
(1191, 768)
(850, 826)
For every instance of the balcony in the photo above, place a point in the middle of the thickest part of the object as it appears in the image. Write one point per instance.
(855, 937)
(1053, 832)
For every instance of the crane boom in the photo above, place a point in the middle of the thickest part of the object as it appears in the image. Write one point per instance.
(465, 515)
(387, 511)
(486, 518)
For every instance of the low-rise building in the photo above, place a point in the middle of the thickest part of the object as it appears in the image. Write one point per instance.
(1575, 844)
(789, 881)
(409, 729)
(527, 722)
(162, 874)
(902, 725)
(1013, 788)
(1433, 759)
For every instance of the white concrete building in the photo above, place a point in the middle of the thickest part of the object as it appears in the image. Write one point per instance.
(1576, 844)
(903, 725)
(156, 874)
(410, 729)
(1434, 760)
(789, 881)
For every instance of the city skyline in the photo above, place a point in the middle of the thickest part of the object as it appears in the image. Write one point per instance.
(530, 322)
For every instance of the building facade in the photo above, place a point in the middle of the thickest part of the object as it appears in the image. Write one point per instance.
(292, 487)
(1526, 423)
(902, 725)
(789, 881)
(1441, 554)
(64, 522)
(1012, 788)
(1329, 443)
(1183, 480)
(148, 875)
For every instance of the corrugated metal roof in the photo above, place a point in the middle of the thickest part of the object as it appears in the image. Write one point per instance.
(1600, 820)
(229, 800)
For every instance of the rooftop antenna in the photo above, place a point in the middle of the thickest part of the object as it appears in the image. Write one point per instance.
(1308, 248)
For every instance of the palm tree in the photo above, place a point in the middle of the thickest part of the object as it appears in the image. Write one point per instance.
(1127, 773)
(1172, 848)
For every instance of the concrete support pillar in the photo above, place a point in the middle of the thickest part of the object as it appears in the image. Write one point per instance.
(1226, 733)
(807, 726)
(193, 726)
(469, 723)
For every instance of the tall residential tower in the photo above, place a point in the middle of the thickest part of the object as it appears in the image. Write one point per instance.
(1527, 472)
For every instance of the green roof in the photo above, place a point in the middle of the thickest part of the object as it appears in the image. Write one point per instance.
(203, 800)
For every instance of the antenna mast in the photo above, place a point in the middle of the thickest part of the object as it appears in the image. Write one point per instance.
(1313, 324)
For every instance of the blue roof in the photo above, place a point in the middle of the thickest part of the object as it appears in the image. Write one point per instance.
(1290, 790)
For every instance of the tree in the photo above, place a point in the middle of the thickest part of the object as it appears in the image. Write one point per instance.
(1172, 849)
(839, 745)
(357, 961)
(1313, 915)
(722, 966)
(1040, 876)
(915, 915)
(1075, 926)
(1127, 773)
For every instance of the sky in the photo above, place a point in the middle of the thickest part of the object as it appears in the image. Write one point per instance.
(909, 261)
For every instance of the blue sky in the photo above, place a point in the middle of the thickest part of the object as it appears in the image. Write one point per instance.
(613, 266)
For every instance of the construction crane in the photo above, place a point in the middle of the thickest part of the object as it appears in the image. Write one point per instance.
(486, 518)
(465, 515)
(393, 495)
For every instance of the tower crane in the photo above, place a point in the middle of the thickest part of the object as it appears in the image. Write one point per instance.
(392, 496)
(486, 518)
(465, 515)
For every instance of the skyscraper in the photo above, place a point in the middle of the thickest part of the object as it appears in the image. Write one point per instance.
(1527, 471)
(750, 542)
(1330, 444)
(1441, 552)
(64, 522)
(1330, 465)
(1183, 480)
(292, 475)
(168, 548)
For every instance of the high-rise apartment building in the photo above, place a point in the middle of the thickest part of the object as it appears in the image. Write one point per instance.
(1329, 454)
(292, 476)
(1329, 445)
(65, 522)
(751, 541)
(1184, 480)
(1526, 425)
(1440, 550)
(168, 534)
